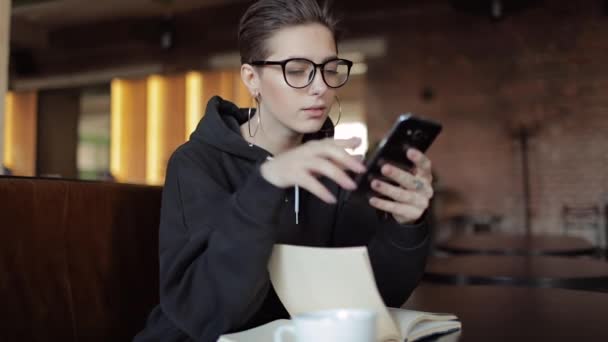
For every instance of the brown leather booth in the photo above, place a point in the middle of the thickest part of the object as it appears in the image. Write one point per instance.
(78, 260)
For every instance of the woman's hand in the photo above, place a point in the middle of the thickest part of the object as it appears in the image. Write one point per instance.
(407, 201)
(304, 164)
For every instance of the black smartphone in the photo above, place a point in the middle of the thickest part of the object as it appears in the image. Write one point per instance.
(409, 131)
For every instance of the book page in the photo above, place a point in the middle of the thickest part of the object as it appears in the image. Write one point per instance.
(418, 324)
(310, 279)
(425, 329)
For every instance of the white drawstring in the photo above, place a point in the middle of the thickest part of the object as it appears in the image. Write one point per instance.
(296, 203)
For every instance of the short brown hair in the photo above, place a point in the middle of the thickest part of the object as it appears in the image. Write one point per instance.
(265, 17)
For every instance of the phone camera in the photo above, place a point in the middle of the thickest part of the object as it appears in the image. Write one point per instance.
(418, 136)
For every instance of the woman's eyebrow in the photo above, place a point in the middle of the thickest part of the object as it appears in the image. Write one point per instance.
(330, 58)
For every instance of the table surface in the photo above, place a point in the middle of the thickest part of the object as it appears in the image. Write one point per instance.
(504, 313)
(515, 244)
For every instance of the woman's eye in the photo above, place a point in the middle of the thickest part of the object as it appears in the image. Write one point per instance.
(296, 72)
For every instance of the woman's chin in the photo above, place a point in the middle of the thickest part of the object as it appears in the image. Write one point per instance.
(310, 126)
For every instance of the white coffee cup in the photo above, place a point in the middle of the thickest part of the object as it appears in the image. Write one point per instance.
(349, 325)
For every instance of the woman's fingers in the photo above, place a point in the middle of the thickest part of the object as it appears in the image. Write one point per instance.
(407, 212)
(399, 194)
(422, 163)
(346, 143)
(303, 165)
(332, 171)
(407, 180)
(315, 187)
(334, 150)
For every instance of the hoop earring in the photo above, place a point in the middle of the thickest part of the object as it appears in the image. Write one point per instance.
(339, 110)
(331, 130)
(257, 111)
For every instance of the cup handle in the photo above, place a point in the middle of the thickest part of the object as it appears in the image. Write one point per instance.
(278, 334)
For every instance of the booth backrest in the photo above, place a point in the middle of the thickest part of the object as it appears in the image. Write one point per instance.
(78, 260)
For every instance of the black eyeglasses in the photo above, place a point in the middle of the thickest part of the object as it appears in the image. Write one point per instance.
(300, 72)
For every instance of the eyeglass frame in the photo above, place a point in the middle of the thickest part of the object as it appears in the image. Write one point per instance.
(320, 66)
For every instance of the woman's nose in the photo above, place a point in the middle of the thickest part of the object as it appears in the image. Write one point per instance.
(318, 85)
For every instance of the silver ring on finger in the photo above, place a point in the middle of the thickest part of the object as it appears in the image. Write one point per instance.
(418, 185)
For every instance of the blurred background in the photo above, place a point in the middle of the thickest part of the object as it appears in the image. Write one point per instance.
(106, 90)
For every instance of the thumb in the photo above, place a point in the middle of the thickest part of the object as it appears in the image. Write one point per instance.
(353, 142)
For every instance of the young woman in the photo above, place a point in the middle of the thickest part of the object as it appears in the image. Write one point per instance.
(250, 178)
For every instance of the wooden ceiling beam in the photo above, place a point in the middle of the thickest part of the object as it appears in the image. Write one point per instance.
(197, 35)
(30, 35)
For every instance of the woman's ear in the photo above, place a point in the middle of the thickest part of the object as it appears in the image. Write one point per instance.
(251, 79)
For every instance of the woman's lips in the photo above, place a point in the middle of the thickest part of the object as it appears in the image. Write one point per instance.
(315, 112)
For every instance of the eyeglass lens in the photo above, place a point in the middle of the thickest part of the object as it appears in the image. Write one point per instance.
(300, 73)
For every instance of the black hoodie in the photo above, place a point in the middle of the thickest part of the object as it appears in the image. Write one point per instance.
(220, 219)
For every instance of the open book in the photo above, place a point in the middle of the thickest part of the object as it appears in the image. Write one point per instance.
(310, 279)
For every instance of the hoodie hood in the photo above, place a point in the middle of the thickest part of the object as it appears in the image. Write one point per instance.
(220, 127)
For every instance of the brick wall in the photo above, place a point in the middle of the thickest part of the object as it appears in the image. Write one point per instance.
(545, 68)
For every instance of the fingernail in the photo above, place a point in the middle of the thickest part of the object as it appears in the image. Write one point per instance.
(375, 184)
(413, 154)
(351, 185)
(386, 169)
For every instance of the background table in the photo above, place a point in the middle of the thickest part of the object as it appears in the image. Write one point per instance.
(538, 271)
(511, 244)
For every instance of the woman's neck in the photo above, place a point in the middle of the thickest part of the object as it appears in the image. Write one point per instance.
(271, 136)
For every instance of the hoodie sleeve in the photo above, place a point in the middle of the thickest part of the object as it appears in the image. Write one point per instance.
(397, 252)
(214, 247)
